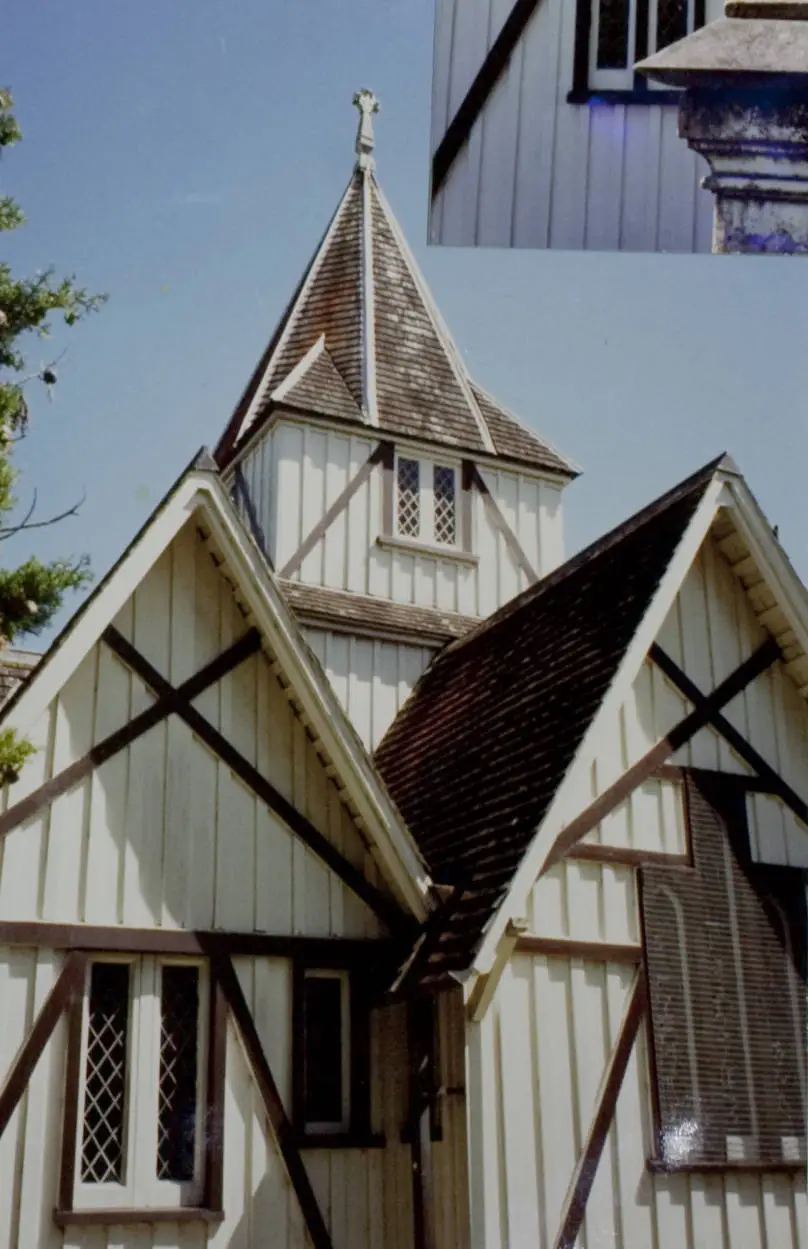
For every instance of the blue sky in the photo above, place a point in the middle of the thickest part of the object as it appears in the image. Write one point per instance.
(185, 155)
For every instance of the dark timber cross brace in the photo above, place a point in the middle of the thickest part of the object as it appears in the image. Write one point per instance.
(572, 1213)
(705, 711)
(174, 700)
(225, 976)
(773, 782)
(112, 745)
(67, 987)
(493, 67)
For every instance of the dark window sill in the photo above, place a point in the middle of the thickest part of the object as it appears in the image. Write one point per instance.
(587, 96)
(340, 1140)
(104, 1218)
(659, 1167)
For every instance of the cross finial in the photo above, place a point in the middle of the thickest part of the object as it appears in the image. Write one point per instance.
(367, 104)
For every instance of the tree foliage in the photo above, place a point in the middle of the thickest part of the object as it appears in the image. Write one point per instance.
(31, 594)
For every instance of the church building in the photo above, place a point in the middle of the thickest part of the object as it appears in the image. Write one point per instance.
(384, 879)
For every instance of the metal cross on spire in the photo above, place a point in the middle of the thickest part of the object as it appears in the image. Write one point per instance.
(367, 104)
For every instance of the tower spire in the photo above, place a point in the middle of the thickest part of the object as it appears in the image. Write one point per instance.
(367, 104)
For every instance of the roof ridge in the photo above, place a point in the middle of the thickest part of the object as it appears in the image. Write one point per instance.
(253, 392)
(591, 552)
(442, 331)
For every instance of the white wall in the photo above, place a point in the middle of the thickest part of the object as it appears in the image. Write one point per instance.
(539, 172)
(163, 833)
(296, 471)
(372, 679)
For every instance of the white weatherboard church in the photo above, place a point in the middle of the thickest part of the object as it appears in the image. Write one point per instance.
(383, 881)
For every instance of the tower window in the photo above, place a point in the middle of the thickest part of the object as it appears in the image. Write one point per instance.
(426, 501)
(445, 505)
(409, 498)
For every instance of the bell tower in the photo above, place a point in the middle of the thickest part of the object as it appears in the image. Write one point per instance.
(396, 500)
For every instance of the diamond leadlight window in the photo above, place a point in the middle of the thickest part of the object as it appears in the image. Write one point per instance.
(409, 498)
(445, 505)
(177, 1089)
(104, 1126)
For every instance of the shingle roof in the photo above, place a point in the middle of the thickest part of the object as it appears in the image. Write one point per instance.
(361, 613)
(395, 365)
(320, 388)
(15, 667)
(477, 753)
(513, 440)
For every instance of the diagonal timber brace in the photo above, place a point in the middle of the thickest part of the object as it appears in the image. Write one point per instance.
(493, 67)
(225, 977)
(67, 988)
(380, 455)
(495, 514)
(708, 707)
(574, 1208)
(774, 782)
(118, 741)
(179, 703)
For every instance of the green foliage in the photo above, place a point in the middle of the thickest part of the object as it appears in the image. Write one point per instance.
(31, 594)
(14, 751)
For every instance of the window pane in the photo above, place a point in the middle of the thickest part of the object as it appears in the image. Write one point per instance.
(445, 506)
(322, 1048)
(102, 1148)
(176, 1114)
(671, 22)
(409, 498)
(613, 18)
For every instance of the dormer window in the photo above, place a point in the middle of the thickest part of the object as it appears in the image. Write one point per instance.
(426, 501)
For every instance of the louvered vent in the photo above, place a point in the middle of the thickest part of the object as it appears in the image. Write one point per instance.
(725, 947)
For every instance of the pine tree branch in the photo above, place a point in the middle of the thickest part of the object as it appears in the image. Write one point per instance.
(26, 524)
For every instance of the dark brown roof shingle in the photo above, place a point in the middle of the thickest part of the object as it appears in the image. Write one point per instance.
(323, 607)
(477, 753)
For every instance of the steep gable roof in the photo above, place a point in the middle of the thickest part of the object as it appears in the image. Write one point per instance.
(477, 754)
(199, 494)
(388, 360)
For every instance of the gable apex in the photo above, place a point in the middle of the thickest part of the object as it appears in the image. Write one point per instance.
(199, 497)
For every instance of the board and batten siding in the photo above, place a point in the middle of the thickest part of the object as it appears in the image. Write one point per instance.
(371, 678)
(365, 1195)
(537, 1057)
(164, 833)
(709, 632)
(296, 471)
(540, 172)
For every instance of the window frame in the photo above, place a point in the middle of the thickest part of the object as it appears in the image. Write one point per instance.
(737, 1156)
(355, 1129)
(621, 86)
(141, 1191)
(427, 467)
